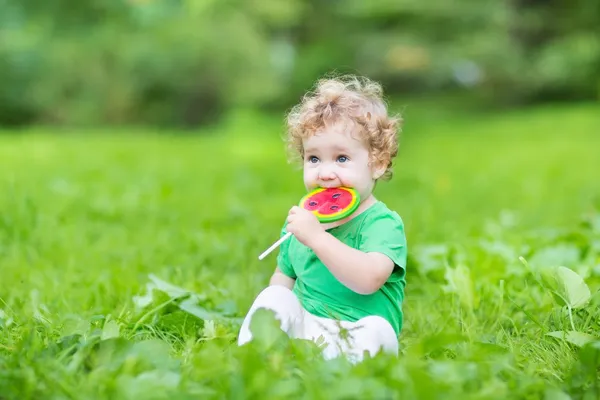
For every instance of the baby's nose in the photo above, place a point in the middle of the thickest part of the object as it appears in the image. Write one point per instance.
(326, 173)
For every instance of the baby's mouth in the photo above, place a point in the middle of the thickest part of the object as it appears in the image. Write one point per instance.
(330, 186)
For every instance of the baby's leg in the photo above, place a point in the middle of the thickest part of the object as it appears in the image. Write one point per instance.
(325, 332)
(279, 299)
(372, 334)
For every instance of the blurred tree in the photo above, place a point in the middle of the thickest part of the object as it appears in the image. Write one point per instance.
(185, 62)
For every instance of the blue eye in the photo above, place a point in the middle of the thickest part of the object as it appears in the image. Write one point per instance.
(313, 159)
(342, 159)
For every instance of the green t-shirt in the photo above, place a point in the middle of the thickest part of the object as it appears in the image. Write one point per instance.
(377, 229)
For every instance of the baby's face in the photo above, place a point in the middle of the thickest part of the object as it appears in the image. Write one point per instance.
(336, 157)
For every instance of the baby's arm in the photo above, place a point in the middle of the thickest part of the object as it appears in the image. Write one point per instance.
(279, 278)
(361, 272)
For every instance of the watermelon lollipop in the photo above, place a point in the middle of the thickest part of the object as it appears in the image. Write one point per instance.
(331, 204)
(328, 205)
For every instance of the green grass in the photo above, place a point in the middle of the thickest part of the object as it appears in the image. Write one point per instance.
(87, 219)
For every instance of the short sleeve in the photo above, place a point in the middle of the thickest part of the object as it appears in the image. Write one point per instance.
(283, 258)
(385, 234)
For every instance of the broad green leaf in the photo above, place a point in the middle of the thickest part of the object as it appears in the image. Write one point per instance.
(567, 287)
(151, 385)
(190, 306)
(577, 338)
(575, 291)
(459, 282)
(110, 353)
(265, 327)
(590, 355)
(154, 352)
(209, 331)
(168, 289)
(143, 301)
(174, 292)
(110, 330)
(556, 394)
(76, 326)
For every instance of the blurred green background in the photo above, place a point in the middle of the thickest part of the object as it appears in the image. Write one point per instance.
(173, 166)
(186, 63)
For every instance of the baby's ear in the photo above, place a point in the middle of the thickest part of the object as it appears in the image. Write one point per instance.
(378, 174)
(379, 169)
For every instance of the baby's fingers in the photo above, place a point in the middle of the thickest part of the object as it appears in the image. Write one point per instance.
(290, 227)
(294, 210)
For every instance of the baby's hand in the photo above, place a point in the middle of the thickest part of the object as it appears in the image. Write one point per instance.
(304, 225)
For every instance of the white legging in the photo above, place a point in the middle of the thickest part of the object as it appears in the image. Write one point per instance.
(372, 333)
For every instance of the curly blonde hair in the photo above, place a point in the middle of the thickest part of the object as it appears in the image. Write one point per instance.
(348, 98)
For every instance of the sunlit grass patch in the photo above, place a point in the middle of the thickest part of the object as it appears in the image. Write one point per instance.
(127, 260)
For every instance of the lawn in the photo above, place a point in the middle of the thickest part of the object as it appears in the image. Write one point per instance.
(128, 258)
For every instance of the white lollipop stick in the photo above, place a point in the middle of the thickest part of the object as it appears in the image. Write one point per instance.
(274, 245)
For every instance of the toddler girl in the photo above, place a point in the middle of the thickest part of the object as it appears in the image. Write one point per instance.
(341, 282)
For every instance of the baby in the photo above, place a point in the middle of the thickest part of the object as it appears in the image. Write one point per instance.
(341, 282)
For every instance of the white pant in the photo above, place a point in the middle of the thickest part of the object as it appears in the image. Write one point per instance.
(371, 333)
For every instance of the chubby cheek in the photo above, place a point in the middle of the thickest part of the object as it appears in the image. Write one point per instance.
(361, 182)
(348, 178)
(310, 178)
